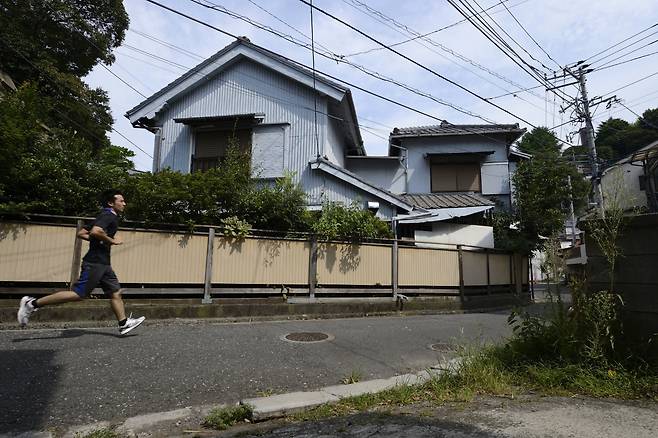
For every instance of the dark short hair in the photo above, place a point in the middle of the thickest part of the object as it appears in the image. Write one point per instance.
(107, 197)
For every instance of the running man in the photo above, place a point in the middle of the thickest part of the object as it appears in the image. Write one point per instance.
(96, 268)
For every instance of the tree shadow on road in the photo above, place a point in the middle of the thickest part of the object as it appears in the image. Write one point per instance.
(27, 379)
(373, 424)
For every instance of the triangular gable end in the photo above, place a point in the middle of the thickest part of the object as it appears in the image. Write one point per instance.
(218, 63)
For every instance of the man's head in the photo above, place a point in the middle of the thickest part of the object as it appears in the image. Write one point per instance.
(113, 199)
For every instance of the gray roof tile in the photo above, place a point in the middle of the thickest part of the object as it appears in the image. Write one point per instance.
(446, 200)
(448, 129)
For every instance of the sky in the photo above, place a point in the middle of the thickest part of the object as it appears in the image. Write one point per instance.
(160, 46)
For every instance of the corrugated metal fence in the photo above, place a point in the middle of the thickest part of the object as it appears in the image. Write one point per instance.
(39, 253)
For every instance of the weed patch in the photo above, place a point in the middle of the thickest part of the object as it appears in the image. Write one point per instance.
(101, 433)
(223, 418)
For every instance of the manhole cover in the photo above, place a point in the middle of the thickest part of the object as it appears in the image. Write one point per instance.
(307, 337)
(444, 347)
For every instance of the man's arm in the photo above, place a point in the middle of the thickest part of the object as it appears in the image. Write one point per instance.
(100, 234)
(83, 234)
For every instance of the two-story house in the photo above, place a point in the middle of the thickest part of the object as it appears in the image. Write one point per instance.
(450, 174)
(289, 119)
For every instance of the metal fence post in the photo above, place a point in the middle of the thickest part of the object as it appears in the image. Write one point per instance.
(207, 284)
(313, 267)
(77, 254)
(461, 274)
(394, 269)
(486, 252)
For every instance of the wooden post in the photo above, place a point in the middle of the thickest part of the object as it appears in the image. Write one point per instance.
(461, 274)
(207, 283)
(77, 254)
(394, 269)
(313, 267)
(486, 252)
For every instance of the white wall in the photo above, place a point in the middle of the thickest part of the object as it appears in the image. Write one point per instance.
(458, 234)
(621, 187)
(384, 173)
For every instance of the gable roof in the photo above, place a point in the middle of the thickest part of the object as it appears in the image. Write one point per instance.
(241, 48)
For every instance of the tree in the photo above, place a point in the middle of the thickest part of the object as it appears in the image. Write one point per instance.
(542, 196)
(539, 140)
(48, 169)
(616, 138)
(53, 44)
(72, 36)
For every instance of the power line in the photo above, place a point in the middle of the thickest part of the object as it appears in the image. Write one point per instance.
(632, 83)
(629, 53)
(620, 42)
(342, 81)
(489, 33)
(432, 32)
(624, 62)
(416, 63)
(379, 16)
(639, 116)
(337, 58)
(51, 79)
(528, 33)
(508, 35)
(168, 44)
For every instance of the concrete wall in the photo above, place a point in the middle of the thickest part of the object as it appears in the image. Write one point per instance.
(636, 276)
(458, 234)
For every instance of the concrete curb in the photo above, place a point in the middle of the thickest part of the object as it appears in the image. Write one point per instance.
(264, 408)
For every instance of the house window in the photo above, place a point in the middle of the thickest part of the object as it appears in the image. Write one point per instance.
(210, 146)
(455, 177)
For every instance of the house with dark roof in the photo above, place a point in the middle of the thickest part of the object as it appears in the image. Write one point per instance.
(289, 120)
(451, 174)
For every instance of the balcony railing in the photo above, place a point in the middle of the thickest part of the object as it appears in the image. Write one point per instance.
(202, 164)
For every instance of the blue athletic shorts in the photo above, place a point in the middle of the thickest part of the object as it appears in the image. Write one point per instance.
(93, 275)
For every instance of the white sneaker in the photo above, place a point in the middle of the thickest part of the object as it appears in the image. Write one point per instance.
(25, 310)
(131, 323)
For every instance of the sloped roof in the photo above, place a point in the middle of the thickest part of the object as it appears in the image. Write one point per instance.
(357, 181)
(448, 129)
(445, 200)
(245, 42)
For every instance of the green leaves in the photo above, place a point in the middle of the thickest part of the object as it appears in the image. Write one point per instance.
(338, 222)
(539, 140)
(542, 195)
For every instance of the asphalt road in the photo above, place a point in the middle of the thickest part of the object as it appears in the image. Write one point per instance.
(64, 377)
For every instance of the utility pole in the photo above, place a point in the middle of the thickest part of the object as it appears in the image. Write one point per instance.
(571, 212)
(582, 110)
(591, 146)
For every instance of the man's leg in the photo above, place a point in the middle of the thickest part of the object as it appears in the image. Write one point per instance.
(89, 277)
(63, 296)
(117, 305)
(112, 287)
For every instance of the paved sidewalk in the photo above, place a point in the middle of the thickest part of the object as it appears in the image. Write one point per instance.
(487, 417)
